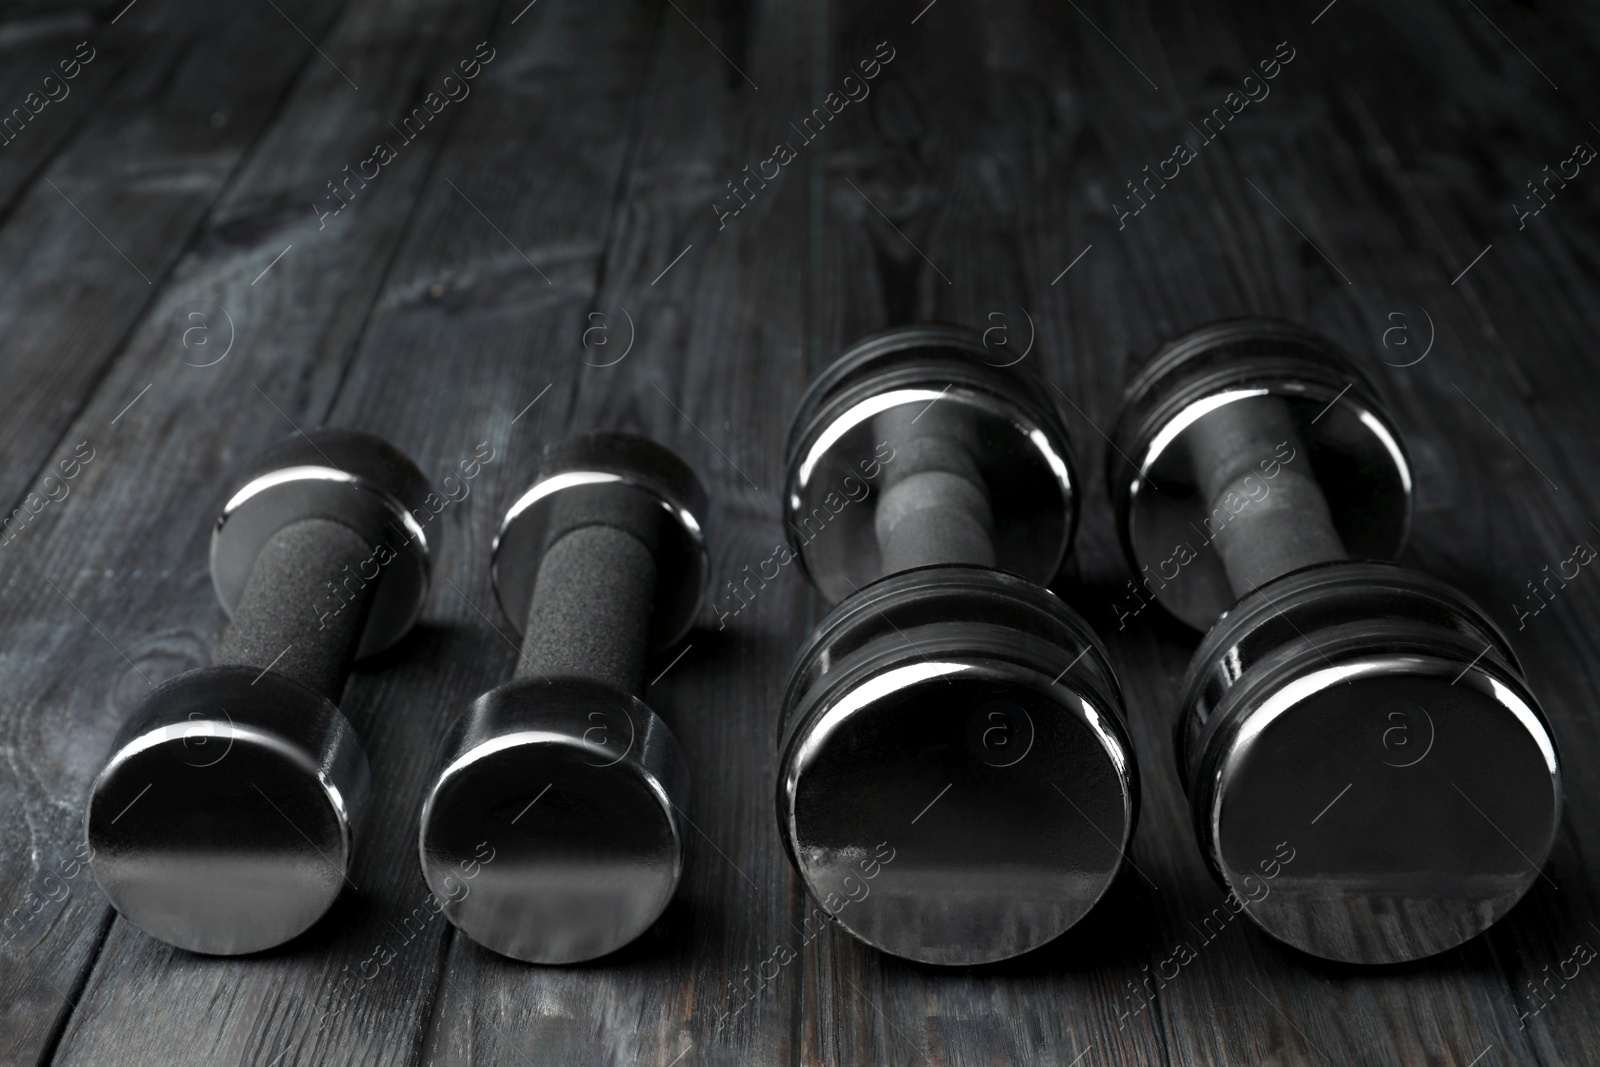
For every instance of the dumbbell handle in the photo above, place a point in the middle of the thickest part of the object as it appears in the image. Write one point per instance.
(589, 616)
(931, 517)
(935, 507)
(287, 617)
(1283, 523)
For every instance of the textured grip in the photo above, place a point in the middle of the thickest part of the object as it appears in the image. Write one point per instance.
(590, 612)
(935, 506)
(304, 606)
(933, 517)
(1262, 527)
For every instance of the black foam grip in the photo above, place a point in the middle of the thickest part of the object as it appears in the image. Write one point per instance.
(590, 612)
(304, 606)
(1263, 527)
(934, 507)
(933, 517)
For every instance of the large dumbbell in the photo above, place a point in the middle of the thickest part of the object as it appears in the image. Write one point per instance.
(956, 784)
(224, 820)
(1369, 774)
(553, 832)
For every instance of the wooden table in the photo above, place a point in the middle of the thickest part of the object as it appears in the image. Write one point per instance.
(202, 249)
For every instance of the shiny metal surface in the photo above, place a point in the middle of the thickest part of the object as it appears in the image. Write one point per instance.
(955, 782)
(1350, 441)
(1393, 861)
(353, 478)
(576, 474)
(1368, 773)
(839, 449)
(1350, 602)
(1371, 723)
(552, 834)
(224, 821)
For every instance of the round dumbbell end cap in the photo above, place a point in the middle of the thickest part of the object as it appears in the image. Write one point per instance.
(957, 810)
(1383, 809)
(552, 835)
(575, 476)
(223, 821)
(353, 478)
(1350, 442)
(836, 456)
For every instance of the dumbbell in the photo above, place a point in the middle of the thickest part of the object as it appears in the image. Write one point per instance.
(553, 830)
(1368, 772)
(956, 784)
(224, 820)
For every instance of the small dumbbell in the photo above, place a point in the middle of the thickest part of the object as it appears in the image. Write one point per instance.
(224, 820)
(1368, 771)
(956, 784)
(553, 832)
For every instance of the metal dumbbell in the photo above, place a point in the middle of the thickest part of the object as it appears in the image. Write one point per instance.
(1368, 771)
(552, 832)
(223, 821)
(956, 784)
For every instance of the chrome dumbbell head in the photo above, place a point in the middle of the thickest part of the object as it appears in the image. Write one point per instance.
(955, 781)
(552, 832)
(1193, 385)
(223, 820)
(887, 392)
(1367, 768)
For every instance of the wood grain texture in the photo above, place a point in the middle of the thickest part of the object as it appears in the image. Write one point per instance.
(294, 342)
(36, 43)
(361, 996)
(89, 243)
(456, 290)
(68, 300)
(925, 186)
(715, 351)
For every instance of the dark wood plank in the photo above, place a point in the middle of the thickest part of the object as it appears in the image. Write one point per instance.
(997, 144)
(927, 191)
(1503, 490)
(459, 303)
(128, 546)
(1162, 278)
(1213, 246)
(38, 43)
(87, 245)
(716, 362)
(67, 298)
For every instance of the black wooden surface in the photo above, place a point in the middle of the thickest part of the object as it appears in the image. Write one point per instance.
(569, 200)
